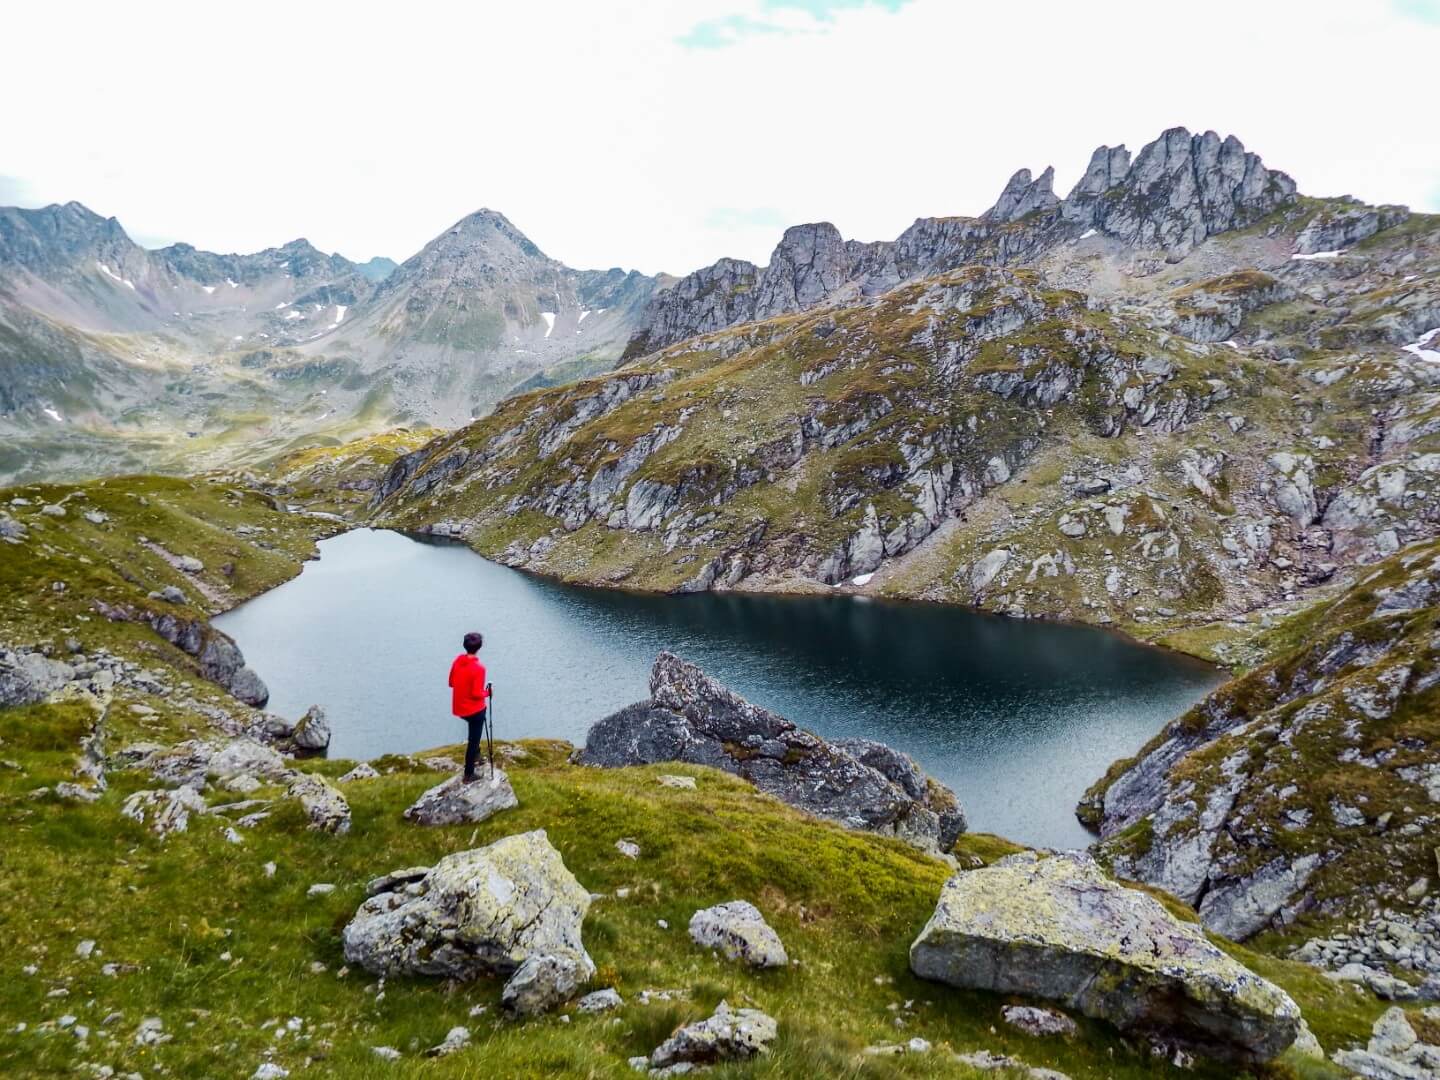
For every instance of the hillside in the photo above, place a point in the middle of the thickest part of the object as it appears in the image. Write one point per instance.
(215, 946)
(1163, 453)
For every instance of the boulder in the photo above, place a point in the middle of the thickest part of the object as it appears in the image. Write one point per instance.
(740, 932)
(860, 784)
(476, 913)
(322, 802)
(455, 802)
(1058, 928)
(727, 1035)
(543, 981)
(312, 733)
(363, 771)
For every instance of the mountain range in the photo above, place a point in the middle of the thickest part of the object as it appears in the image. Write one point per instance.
(116, 357)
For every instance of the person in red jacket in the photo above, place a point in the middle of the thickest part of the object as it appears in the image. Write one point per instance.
(470, 698)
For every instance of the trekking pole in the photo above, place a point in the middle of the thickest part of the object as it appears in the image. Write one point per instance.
(490, 726)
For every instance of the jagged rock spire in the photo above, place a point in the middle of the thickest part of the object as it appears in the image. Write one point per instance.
(1022, 196)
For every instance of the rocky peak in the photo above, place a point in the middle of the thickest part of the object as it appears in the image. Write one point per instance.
(808, 265)
(1107, 169)
(57, 236)
(1023, 196)
(1181, 189)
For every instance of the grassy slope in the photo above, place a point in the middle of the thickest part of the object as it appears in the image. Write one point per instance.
(846, 904)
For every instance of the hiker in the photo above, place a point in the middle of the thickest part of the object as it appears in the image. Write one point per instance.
(470, 697)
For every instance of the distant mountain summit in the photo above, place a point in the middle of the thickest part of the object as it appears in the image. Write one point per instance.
(1180, 189)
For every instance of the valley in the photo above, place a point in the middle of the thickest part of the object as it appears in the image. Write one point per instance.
(995, 475)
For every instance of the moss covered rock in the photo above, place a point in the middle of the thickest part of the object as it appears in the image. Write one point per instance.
(1058, 928)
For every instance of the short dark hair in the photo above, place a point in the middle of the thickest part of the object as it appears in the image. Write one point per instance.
(473, 641)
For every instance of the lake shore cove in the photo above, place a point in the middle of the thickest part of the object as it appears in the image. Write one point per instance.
(216, 949)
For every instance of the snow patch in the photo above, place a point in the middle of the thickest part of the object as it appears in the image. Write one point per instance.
(1419, 348)
(340, 310)
(1087, 234)
(208, 288)
(282, 307)
(294, 315)
(232, 284)
(549, 317)
(1319, 255)
(53, 415)
(239, 337)
(582, 315)
(862, 579)
(115, 277)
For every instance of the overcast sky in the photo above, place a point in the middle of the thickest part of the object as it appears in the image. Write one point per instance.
(661, 136)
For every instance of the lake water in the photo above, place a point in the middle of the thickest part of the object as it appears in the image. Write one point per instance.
(1019, 717)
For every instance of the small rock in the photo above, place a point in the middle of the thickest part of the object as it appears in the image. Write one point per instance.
(727, 1035)
(322, 888)
(456, 1039)
(385, 1053)
(53, 510)
(189, 564)
(85, 948)
(666, 780)
(740, 932)
(171, 594)
(1038, 1022)
(628, 848)
(363, 771)
(599, 1001)
(270, 1071)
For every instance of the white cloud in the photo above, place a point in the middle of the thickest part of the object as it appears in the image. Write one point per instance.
(611, 143)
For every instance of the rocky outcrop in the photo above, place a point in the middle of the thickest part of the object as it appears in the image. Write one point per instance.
(1058, 928)
(220, 659)
(739, 932)
(27, 677)
(691, 717)
(482, 912)
(1338, 229)
(1395, 1051)
(455, 802)
(1305, 771)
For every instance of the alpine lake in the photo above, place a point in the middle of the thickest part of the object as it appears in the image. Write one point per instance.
(1017, 716)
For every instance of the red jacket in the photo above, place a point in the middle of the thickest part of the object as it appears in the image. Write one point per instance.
(467, 683)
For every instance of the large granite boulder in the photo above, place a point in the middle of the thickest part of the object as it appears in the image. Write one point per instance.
(479, 913)
(455, 802)
(861, 784)
(312, 732)
(1059, 928)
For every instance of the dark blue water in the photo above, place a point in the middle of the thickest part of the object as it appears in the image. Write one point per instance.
(1019, 717)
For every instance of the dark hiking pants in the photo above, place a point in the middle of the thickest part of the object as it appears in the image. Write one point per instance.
(476, 724)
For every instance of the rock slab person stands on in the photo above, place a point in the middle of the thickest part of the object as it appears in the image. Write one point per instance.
(740, 932)
(860, 784)
(488, 911)
(1058, 928)
(455, 802)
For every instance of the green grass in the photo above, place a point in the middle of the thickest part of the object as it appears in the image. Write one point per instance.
(219, 948)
